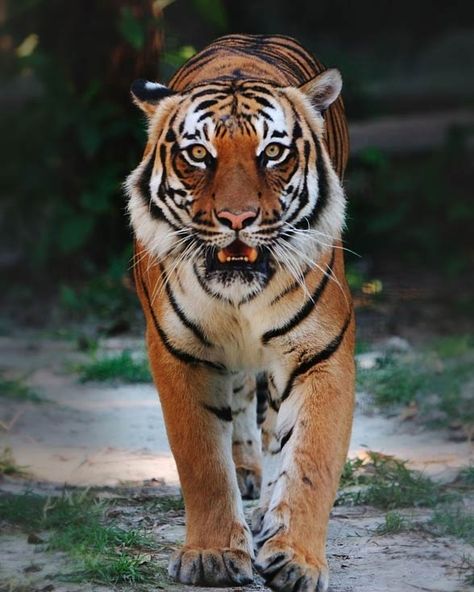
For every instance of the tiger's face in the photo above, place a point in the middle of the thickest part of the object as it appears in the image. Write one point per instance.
(236, 181)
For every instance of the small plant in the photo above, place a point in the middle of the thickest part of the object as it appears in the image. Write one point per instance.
(168, 503)
(466, 477)
(17, 390)
(393, 523)
(389, 484)
(120, 368)
(467, 569)
(8, 465)
(351, 473)
(455, 521)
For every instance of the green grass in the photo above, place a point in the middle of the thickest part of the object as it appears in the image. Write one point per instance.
(453, 345)
(454, 521)
(17, 390)
(119, 368)
(167, 503)
(8, 465)
(467, 569)
(393, 524)
(351, 473)
(438, 379)
(386, 482)
(466, 476)
(102, 553)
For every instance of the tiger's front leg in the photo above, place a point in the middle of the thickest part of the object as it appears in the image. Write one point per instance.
(196, 406)
(310, 442)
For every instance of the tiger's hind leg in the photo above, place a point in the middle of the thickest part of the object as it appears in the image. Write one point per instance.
(246, 440)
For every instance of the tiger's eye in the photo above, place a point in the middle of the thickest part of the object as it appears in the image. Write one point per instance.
(197, 152)
(274, 151)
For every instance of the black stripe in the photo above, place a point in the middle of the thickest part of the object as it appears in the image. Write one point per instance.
(223, 413)
(196, 329)
(174, 351)
(317, 358)
(285, 439)
(291, 288)
(143, 184)
(323, 184)
(305, 309)
(205, 104)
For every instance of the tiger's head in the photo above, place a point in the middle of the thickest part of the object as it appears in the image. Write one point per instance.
(236, 180)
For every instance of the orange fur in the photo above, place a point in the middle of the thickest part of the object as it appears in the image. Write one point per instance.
(198, 342)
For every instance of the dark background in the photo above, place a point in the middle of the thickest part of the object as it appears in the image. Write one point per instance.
(70, 135)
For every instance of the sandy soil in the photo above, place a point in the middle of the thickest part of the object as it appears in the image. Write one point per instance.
(107, 436)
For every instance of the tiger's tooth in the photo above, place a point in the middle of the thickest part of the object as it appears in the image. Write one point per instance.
(221, 256)
(228, 259)
(252, 256)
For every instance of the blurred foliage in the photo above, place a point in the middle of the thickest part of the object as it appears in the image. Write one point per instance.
(417, 208)
(121, 368)
(73, 134)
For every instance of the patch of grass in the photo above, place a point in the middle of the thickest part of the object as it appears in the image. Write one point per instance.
(168, 503)
(102, 553)
(466, 476)
(122, 568)
(351, 474)
(8, 465)
(453, 345)
(121, 368)
(455, 521)
(387, 483)
(438, 380)
(393, 523)
(393, 380)
(17, 390)
(467, 569)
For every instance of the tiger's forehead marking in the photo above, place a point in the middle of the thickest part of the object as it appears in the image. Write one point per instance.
(249, 109)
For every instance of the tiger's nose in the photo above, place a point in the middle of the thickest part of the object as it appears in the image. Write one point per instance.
(236, 220)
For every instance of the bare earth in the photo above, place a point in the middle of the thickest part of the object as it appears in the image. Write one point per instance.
(110, 436)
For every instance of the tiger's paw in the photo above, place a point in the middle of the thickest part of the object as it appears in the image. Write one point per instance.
(286, 570)
(249, 481)
(211, 567)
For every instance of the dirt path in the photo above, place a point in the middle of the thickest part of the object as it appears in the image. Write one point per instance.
(94, 434)
(103, 435)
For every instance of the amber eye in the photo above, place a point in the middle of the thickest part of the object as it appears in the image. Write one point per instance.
(197, 152)
(273, 151)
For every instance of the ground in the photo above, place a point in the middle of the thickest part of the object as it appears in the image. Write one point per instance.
(92, 456)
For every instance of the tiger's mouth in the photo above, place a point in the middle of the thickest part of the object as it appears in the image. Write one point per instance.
(237, 252)
(237, 257)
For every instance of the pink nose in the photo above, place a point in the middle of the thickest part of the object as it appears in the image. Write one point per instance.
(236, 220)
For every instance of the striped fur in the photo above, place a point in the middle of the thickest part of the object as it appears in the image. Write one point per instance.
(265, 336)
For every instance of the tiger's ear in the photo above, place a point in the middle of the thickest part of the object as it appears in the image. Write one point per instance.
(147, 95)
(323, 89)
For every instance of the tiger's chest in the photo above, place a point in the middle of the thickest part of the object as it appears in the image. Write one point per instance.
(219, 331)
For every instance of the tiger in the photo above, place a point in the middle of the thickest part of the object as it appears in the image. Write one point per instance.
(237, 209)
